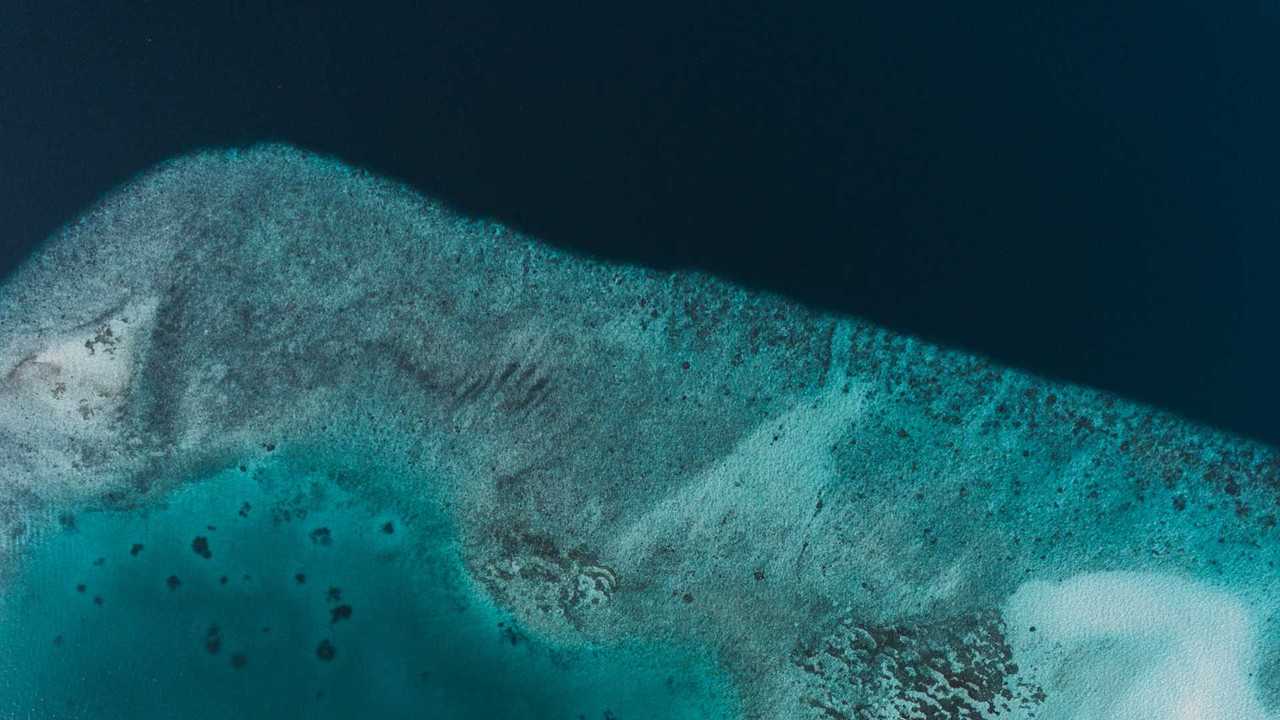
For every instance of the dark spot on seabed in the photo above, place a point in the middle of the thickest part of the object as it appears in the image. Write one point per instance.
(758, 574)
(173, 582)
(245, 507)
(201, 547)
(68, 522)
(342, 612)
(213, 640)
(334, 594)
(325, 650)
(239, 660)
(80, 588)
(388, 528)
(269, 447)
(687, 598)
(1179, 503)
(99, 562)
(509, 634)
(300, 578)
(137, 548)
(97, 600)
(57, 640)
(321, 536)
(222, 580)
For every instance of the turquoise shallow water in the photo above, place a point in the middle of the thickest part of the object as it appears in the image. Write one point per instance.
(301, 600)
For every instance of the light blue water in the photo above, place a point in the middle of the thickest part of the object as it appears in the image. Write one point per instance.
(239, 633)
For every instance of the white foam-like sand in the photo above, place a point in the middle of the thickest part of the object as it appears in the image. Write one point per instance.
(76, 379)
(1136, 646)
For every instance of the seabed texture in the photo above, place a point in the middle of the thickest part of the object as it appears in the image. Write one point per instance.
(282, 439)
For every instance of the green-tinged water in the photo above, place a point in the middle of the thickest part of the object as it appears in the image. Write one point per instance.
(270, 593)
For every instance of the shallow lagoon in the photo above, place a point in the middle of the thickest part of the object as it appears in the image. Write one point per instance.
(273, 589)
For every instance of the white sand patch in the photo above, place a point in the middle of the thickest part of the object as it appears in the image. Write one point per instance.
(1135, 646)
(760, 498)
(63, 396)
(76, 381)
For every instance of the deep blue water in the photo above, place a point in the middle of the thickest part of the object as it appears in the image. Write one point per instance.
(302, 600)
(1084, 189)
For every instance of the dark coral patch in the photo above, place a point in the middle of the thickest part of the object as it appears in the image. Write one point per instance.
(342, 612)
(173, 582)
(325, 651)
(239, 660)
(322, 536)
(213, 640)
(201, 547)
(137, 548)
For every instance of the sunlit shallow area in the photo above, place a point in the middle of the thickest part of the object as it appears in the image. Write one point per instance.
(264, 591)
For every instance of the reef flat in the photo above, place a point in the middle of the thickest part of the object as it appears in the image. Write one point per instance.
(679, 497)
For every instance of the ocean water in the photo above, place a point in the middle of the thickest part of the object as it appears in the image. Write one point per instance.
(446, 470)
(269, 591)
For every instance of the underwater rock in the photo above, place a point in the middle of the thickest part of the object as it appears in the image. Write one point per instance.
(339, 613)
(325, 651)
(861, 522)
(200, 546)
(213, 640)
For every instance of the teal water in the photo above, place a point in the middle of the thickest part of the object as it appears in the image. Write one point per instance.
(291, 567)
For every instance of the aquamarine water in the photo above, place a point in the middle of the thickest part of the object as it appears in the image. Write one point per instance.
(266, 591)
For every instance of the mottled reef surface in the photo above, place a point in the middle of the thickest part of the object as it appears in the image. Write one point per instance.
(852, 523)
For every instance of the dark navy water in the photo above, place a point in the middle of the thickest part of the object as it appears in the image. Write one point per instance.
(1085, 190)
(273, 593)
